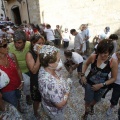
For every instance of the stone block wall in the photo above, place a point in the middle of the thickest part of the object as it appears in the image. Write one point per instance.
(34, 11)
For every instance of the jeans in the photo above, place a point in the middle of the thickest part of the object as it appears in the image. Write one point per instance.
(12, 97)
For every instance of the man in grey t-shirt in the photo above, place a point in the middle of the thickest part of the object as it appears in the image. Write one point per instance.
(78, 41)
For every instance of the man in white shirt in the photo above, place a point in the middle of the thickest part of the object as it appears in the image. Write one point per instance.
(83, 33)
(87, 37)
(104, 34)
(78, 41)
(74, 60)
(49, 33)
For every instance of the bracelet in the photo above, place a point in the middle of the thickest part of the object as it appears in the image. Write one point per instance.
(82, 74)
(65, 97)
(22, 81)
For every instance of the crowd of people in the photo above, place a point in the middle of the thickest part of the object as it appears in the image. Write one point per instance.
(34, 50)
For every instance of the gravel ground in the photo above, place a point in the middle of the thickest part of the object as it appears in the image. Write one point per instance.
(75, 106)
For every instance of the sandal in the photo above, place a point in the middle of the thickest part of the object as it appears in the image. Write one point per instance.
(84, 116)
(91, 112)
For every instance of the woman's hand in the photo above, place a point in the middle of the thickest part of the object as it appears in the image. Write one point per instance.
(21, 86)
(83, 80)
(97, 86)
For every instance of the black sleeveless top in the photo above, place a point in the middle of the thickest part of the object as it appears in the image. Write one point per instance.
(98, 75)
(35, 94)
(34, 77)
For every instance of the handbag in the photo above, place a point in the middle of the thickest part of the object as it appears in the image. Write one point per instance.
(102, 66)
(4, 79)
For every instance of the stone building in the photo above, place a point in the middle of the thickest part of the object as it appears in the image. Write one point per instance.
(68, 13)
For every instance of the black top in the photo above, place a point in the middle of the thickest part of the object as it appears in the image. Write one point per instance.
(98, 75)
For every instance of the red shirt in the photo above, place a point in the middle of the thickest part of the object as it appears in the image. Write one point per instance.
(12, 73)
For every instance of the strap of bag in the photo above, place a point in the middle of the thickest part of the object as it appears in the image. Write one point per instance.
(102, 66)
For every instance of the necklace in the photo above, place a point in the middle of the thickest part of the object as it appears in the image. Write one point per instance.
(4, 61)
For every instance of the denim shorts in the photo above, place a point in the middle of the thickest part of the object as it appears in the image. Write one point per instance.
(91, 95)
(12, 97)
(79, 68)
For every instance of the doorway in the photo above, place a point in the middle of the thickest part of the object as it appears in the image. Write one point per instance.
(16, 15)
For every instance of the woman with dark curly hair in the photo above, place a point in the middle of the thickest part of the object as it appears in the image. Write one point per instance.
(95, 80)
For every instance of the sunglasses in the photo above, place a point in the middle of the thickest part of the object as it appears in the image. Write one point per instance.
(4, 46)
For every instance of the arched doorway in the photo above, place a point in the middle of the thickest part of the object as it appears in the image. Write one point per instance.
(16, 14)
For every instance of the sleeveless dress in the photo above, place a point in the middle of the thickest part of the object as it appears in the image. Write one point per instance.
(35, 94)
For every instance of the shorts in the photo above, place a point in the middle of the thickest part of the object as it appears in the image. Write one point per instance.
(79, 68)
(57, 41)
(87, 44)
(12, 97)
(91, 95)
(115, 94)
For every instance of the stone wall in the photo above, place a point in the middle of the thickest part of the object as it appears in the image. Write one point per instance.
(72, 13)
(34, 11)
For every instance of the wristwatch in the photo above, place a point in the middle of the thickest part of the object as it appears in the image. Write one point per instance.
(104, 84)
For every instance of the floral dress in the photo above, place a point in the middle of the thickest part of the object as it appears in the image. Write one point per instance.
(52, 90)
(10, 113)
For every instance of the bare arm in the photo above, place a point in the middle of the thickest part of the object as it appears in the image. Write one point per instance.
(32, 65)
(88, 62)
(18, 68)
(81, 46)
(19, 71)
(114, 71)
(64, 101)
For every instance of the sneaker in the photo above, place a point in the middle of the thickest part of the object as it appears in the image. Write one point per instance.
(109, 111)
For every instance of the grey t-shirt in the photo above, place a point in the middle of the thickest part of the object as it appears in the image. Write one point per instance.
(115, 46)
(78, 40)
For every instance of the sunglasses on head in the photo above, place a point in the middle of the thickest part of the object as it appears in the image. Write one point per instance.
(4, 46)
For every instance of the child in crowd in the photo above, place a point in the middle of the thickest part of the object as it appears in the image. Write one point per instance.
(74, 60)
(116, 87)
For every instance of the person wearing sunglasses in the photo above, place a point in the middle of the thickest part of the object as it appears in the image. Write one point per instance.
(10, 93)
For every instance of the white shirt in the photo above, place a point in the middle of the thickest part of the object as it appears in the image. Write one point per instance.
(83, 33)
(78, 40)
(118, 75)
(103, 35)
(76, 58)
(49, 34)
(87, 33)
(66, 36)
